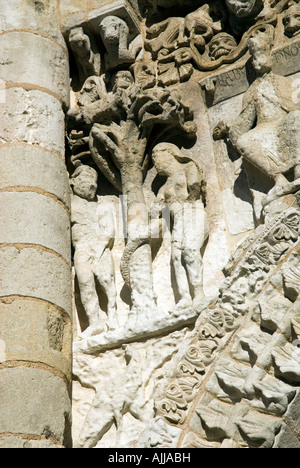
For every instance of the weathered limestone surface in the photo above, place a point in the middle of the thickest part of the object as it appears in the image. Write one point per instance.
(193, 130)
(181, 202)
(35, 269)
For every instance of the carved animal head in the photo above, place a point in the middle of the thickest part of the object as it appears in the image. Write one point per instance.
(111, 28)
(291, 20)
(80, 42)
(244, 8)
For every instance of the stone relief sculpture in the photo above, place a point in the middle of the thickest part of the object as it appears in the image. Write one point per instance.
(121, 397)
(115, 36)
(93, 234)
(268, 109)
(87, 57)
(243, 8)
(291, 20)
(221, 45)
(222, 371)
(183, 194)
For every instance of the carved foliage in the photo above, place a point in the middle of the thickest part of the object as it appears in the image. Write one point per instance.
(215, 328)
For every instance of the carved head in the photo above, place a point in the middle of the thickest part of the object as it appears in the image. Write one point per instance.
(111, 28)
(221, 45)
(201, 26)
(165, 157)
(122, 80)
(244, 8)
(80, 42)
(291, 20)
(260, 47)
(90, 92)
(84, 182)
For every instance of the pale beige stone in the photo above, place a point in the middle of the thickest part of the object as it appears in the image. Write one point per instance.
(46, 412)
(34, 167)
(34, 218)
(36, 273)
(34, 67)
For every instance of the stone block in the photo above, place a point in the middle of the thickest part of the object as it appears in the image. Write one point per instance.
(70, 7)
(33, 401)
(33, 117)
(120, 8)
(43, 334)
(15, 442)
(46, 65)
(31, 166)
(33, 218)
(286, 439)
(31, 272)
(33, 15)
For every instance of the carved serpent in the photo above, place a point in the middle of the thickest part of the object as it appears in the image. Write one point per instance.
(132, 246)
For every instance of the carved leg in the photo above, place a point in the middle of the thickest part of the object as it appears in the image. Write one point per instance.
(99, 420)
(106, 278)
(194, 266)
(196, 231)
(89, 297)
(252, 148)
(181, 277)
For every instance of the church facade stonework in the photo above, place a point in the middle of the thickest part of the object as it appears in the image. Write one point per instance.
(150, 224)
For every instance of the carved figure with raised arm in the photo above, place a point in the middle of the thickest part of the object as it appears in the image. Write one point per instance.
(183, 193)
(93, 233)
(267, 131)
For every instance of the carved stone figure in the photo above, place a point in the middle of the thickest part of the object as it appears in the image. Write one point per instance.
(119, 50)
(184, 196)
(145, 73)
(221, 45)
(267, 132)
(178, 43)
(93, 233)
(119, 151)
(291, 20)
(88, 60)
(244, 8)
(123, 395)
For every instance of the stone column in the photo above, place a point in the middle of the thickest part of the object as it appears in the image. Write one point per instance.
(35, 264)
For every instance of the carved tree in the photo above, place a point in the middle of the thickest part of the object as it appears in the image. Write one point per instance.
(119, 150)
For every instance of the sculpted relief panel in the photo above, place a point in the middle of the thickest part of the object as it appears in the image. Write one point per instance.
(183, 151)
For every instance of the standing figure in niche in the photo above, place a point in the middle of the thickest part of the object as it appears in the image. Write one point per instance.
(267, 132)
(183, 193)
(93, 234)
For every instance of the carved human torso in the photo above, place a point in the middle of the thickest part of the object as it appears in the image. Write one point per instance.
(267, 100)
(92, 226)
